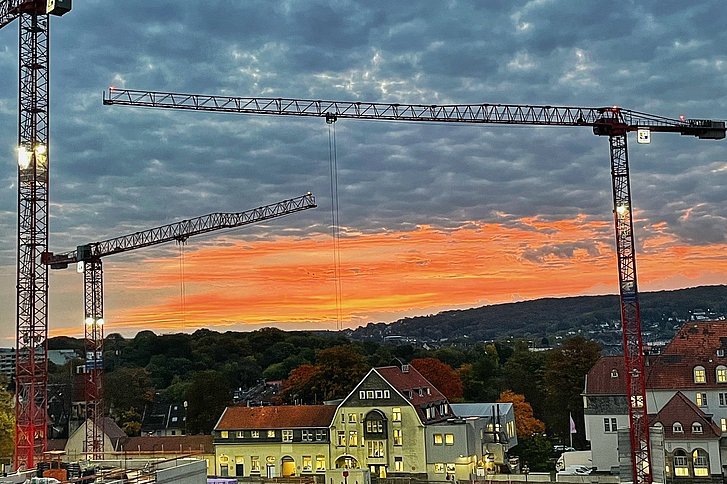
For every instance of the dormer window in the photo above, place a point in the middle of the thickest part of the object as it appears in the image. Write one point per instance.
(677, 428)
(700, 376)
(614, 373)
(720, 352)
(696, 428)
(720, 374)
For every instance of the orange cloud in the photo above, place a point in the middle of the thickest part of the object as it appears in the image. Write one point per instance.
(291, 282)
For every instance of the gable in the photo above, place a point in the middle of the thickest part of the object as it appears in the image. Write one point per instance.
(374, 391)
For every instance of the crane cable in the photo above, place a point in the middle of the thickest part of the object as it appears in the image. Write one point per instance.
(335, 228)
(182, 289)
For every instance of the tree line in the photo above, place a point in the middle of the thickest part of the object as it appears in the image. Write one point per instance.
(205, 368)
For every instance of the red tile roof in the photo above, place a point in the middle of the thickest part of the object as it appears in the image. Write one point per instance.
(409, 382)
(695, 344)
(167, 444)
(681, 409)
(277, 417)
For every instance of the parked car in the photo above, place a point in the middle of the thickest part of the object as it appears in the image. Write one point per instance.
(576, 470)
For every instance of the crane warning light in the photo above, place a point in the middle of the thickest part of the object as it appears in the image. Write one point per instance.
(57, 7)
(682, 118)
(23, 158)
(643, 136)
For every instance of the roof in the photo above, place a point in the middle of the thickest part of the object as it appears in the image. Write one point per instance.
(170, 443)
(697, 343)
(111, 429)
(681, 409)
(56, 444)
(408, 381)
(159, 416)
(464, 410)
(276, 417)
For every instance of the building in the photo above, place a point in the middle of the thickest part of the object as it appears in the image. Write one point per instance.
(164, 419)
(394, 423)
(686, 390)
(273, 441)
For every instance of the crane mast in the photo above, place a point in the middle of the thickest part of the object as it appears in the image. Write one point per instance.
(613, 122)
(31, 360)
(89, 257)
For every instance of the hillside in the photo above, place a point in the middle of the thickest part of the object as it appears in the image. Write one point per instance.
(551, 317)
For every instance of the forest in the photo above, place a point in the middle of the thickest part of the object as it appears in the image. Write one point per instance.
(206, 367)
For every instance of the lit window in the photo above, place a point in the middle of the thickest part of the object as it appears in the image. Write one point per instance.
(375, 448)
(677, 428)
(396, 417)
(696, 428)
(681, 464)
(439, 468)
(438, 439)
(341, 442)
(287, 435)
(701, 399)
(398, 464)
(700, 376)
(271, 434)
(307, 465)
(700, 460)
(721, 374)
(320, 463)
(224, 434)
(255, 464)
(398, 440)
(353, 438)
(239, 434)
(723, 424)
(352, 418)
(449, 439)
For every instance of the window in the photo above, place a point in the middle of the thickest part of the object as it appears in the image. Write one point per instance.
(362, 394)
(398, 437)
(398, 464)
(637, 401)
(375, 448)
(379, 394)
(255, 464)
(306, 435)
(722, 399)
(429, 412)
(374, 426)
(287, 435)
(439, 468)
(271, 434)
(238, 434)
(396, 414)
(720, 352)
(700, 459)
(341, 442)
(701, 399)
(696, 428)
(614, 373)
(343, 418)
(223, 470)
(320, 463)
(352, 418)
(320, 435)
(449, 439)
(444, 409)
(421, 392)
(307, 465)
(723, 424)
(224, 434)
(255, 434)
(677, 428)
(369, 394)
(438, 439)
(174, 419)
(450, 468)
(700, 376)
(353, 438)
(721, 374)
(609, 425)
(681, 465)
(387, 394)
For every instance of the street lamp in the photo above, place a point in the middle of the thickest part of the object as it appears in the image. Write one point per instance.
(526, 471)
(185, 416)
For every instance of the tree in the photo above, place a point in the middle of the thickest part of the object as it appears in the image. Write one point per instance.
(525, 423)
(535, 451)
(442, 376)
(127, 388)
(130, 422)
(523, 373)
(565, 374)
(7, 422)
(208, 396)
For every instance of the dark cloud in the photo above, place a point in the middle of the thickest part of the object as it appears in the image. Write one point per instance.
(116, 168)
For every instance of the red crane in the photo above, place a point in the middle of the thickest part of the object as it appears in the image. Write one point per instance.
(88, 256)
(613, 122)
(31, 367)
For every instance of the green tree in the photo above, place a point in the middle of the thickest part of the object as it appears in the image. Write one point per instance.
(535, 451)
(207, 397)
(127, 388)
(7, 422)
(565, 374)
(130, 422)
(523, 373)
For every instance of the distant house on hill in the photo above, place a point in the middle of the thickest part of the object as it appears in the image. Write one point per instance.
(164, 419)
(686, 390)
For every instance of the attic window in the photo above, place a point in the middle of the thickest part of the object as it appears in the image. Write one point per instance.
(700, 376)
(677, 428)
(696, 428)
(614, 373)
(720, 352)
(409, 394)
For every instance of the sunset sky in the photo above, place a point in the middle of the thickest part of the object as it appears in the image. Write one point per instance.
(431, 217)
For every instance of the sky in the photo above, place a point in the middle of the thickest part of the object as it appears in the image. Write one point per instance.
(431, 217)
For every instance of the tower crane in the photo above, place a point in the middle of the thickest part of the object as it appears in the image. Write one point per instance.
(88, 257)
(31, 361)
(613, 122)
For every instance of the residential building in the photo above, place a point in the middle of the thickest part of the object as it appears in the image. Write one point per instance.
(686, 390)
(164, 419)
(274, 441)
(394, 423)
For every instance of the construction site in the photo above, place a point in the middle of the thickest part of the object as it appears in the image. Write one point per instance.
(37, 255)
